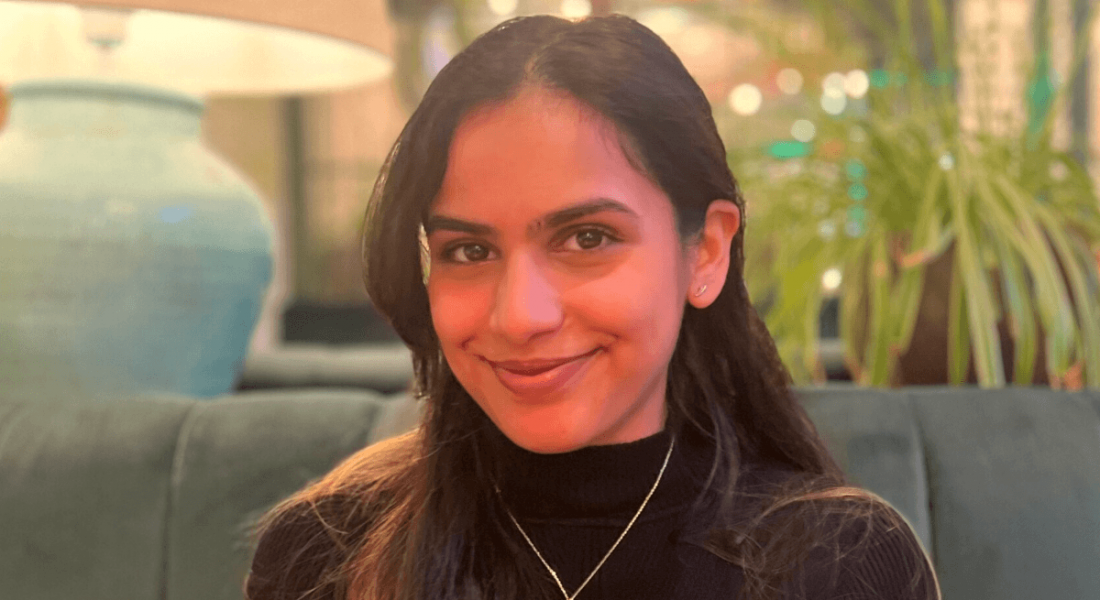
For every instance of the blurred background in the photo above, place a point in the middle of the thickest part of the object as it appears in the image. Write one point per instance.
(868, 137)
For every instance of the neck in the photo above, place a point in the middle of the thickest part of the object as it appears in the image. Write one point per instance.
(600, 481)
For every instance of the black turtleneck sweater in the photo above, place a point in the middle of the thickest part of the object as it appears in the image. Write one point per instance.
(574, 505)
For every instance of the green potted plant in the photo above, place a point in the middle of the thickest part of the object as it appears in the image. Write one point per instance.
(1001, 230)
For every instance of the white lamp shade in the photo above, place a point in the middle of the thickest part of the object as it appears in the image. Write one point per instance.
(231, 46)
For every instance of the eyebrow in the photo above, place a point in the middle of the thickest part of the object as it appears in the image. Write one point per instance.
(553, 220)
(584, 209)
(439, 222)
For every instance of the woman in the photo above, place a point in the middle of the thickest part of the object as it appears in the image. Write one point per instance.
(558, 239)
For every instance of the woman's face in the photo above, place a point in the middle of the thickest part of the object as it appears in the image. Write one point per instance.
(558, 280)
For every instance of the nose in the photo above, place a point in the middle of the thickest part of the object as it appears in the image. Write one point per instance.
(527, 302)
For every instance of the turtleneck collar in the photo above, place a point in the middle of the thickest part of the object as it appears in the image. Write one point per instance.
(602, 481)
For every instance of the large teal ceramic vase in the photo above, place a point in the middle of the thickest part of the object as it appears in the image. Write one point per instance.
(132, 259)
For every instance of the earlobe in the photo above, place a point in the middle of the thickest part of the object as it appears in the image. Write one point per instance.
(711, 257)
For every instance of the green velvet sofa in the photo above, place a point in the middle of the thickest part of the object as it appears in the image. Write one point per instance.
(151, 498)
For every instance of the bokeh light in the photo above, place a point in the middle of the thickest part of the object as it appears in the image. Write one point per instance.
(789, 81)
(834, 105)
(856, 83)
(947, 162)
(833, 84)
(790, 149)
(803, 130)
(699, 40)
(880, 78)
(856, 169)
(503, 8)
(665, 21)
(745, 99)
(831, 279)
(575, 9)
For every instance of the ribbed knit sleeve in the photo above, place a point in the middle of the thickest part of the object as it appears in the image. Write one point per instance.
(297, 554)
(892, 565)
(877, 558)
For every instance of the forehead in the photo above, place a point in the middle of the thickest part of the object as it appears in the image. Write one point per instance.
(539, 150)
(533, 116)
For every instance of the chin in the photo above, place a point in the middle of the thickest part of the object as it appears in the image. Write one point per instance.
(544, 440)
(544, 446)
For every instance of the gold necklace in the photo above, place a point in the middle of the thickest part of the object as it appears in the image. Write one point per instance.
(554, 573)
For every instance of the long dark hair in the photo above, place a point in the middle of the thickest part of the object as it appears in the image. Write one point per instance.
(443, 535)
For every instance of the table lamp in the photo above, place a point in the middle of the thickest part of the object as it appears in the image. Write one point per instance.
(133, 260)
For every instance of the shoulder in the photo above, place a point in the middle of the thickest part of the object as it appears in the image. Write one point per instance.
(866, 550)
(300, 551)
(821, 542)
(304, 543)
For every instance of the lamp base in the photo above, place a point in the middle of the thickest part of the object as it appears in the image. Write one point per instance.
(134, 260)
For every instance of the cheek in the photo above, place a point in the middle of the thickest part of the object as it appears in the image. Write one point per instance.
(458, 310)
(635, 301)
(659, 280)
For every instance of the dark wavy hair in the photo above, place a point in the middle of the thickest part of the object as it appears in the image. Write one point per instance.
(442, 535)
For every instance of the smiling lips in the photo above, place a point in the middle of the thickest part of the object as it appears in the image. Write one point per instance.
(532, 378)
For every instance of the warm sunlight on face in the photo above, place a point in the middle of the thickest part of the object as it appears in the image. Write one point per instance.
(558, 280)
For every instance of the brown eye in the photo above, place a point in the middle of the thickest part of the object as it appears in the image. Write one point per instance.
(468, 253)
(475, 252)
(588, 239)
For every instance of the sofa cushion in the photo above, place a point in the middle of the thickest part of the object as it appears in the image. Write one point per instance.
(239, 456)
(874, 436)
(1014, 484)
(152, 498)
(84, 497)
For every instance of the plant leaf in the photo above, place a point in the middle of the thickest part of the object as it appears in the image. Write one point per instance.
(1054, 307)
(905, 301)
(958, 332)
(981, 307)
(1084, 298)
(1020, 314)
(877, 356)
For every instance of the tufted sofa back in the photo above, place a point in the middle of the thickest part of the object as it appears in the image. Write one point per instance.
(150, 499)
(1002, 486)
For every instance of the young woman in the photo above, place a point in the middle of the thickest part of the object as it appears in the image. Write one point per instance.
(557, 237)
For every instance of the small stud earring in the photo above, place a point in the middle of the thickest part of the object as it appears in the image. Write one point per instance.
(702, 289)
